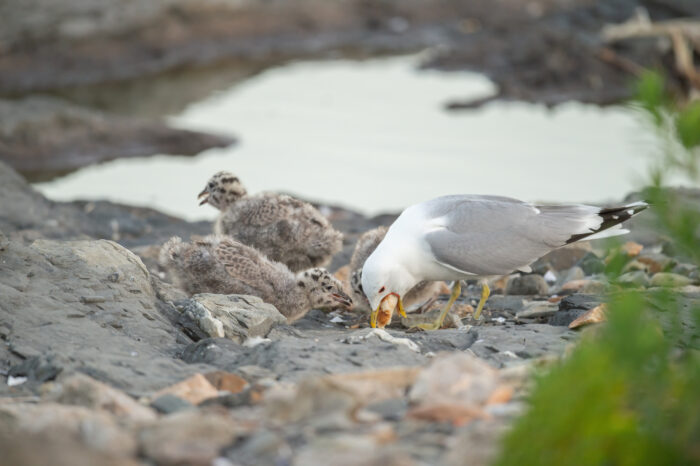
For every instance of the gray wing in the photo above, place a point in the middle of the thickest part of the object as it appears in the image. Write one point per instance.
(488, 235)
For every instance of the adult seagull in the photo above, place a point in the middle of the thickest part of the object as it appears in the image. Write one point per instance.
(470, 236)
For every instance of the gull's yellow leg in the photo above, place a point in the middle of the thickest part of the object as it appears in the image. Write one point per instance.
(402, 311)
(485, 293)
(435, 325)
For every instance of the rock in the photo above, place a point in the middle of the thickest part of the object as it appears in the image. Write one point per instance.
(236, 317)
(656, 262)
(631, 249)
(572, 307)
(564, 318)
(591, 264)
(58, 448)
(94, 429)
(170, 403)
(594, 316)
(686, 270)
(38, 369)
(634, 266)
(636, 279)
(81, 390)
(262, 447)
(505, 303)
(254, 374)
(594, 287)
(570, 275)
(191, 437)
(668, 279)
(226, 381)
(574, 286)
(118, 340)
(454, 387)
(579, 301)
(349, 450)
(393, 409)
(65, 137)
(527, 285)
(333, 401)
(537, 309)
(478, 441)
(194, 389)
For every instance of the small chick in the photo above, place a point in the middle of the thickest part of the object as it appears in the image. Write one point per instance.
(421, 295)
(220, 264)
(285, 229)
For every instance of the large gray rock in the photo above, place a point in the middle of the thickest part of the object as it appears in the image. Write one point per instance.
(26, 214)
(43, 137)
(236, 317)
(87, 306)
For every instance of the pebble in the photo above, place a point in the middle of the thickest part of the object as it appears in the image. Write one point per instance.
(170, 403)
(673, 280)
(591, 264)
(636, 279)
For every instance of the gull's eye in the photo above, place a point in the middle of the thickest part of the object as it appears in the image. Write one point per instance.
(381, 290)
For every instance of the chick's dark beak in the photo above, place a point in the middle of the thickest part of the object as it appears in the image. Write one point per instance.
(343, 299)
(204, 194)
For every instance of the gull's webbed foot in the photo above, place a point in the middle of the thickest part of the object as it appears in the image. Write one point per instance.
(437, 323)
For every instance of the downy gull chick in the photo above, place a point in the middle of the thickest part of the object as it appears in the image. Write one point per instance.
(285, 229)
(220, 264)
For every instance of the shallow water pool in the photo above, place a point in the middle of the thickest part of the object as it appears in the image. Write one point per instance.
(373, 135)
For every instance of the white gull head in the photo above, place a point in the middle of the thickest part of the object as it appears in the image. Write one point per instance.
(383, 275)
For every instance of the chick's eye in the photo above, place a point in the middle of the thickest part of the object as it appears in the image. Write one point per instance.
(381, 290)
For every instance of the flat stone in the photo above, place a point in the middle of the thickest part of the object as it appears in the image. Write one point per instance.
(81, 390)
(636, 279)
(170, 403)
(591, 264)
(537, 309)
(38, 369)
(505, 303)
(236, 317)
(93, 428)
(579, 301)
(226, 381)
(188, 437)
(194, 389)
(668, 279)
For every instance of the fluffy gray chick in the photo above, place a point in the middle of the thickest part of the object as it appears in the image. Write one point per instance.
(424, 293)
(285, 229)
(220, 264)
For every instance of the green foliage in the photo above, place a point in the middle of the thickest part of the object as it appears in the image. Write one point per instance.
(629, 393)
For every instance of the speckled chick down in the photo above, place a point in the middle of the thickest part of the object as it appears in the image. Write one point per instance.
(285, 229)
(220, 264)
(421, 294)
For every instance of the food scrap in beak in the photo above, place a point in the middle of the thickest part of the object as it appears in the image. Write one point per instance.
(382, 316)
(203, 194)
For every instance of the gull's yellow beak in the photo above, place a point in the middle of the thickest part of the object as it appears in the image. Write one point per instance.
(381, 317)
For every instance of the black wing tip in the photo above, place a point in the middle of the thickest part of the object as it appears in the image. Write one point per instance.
(612, 216)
